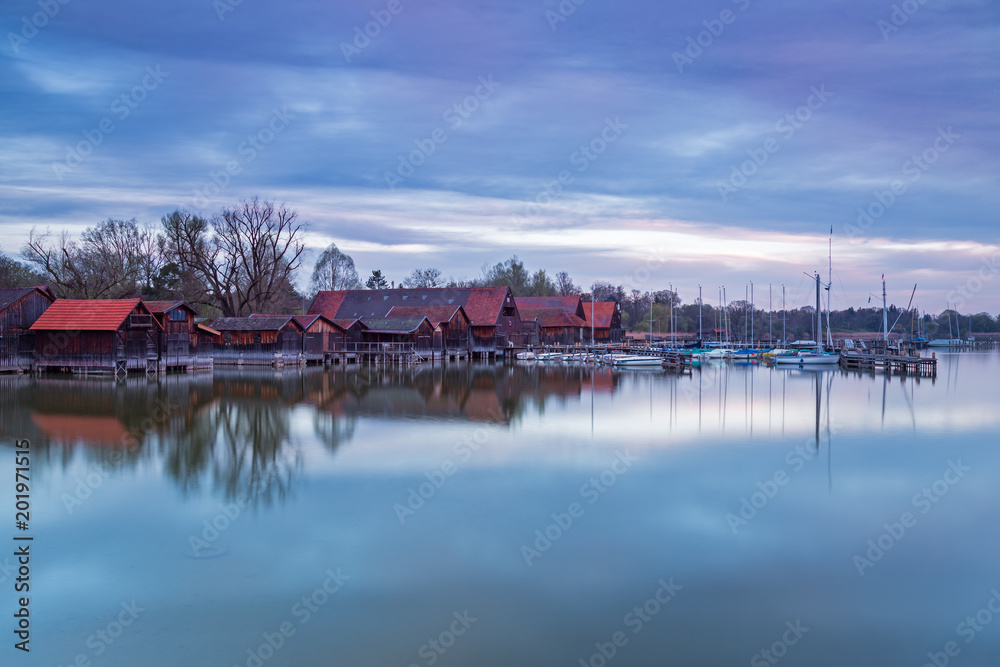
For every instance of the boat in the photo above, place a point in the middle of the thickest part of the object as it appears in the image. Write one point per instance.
(527, 355)
(807, 358)
(635, 361)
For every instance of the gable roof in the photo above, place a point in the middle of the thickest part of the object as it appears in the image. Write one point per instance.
(160, 307)
(568, 303)
(304, 321)
(11, 295)
(482, 305)
(603, 313)
(88, 315)
(400, 325)
(436, 314)
(552, 317)
(259, 323)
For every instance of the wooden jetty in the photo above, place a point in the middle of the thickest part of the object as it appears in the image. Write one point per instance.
(891, 364)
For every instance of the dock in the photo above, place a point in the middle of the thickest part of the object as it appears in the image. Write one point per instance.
(891, 364)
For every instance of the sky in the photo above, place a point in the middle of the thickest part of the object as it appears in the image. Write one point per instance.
(650, 144)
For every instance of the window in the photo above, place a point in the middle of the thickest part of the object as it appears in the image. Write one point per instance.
(225, 337)
(256, 337)
(177, 315)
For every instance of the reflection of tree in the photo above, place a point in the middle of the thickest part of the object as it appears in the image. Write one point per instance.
(232, 430)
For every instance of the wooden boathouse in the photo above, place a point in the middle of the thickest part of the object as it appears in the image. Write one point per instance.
(494, 322)
(20, 307)
(322, 338)
(178, 341)
(97, 336)
(451, 328)
(268, 340)
(607, 321)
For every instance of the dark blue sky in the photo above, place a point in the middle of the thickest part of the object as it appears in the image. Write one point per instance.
(708, 143)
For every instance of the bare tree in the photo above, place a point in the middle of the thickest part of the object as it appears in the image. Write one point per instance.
(114, 259)
(246, 262)
(334, 270)
(423, 278)
(565, 286)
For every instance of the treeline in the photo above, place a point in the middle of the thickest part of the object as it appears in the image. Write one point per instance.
(245, 259)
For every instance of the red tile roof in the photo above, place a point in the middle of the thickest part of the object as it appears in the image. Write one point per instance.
(436, 314)
(568, 303)
(551, 317)
(87, 314)
(603, 312)
(327, 302)
(483, 305)
(160, 307)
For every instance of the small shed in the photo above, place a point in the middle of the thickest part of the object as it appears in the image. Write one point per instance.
(270, 340)
(100, 335)
(604, 318)
(555, 326)
(177, 341)
(322, 337)
(20, 307)
(450, 323)
(415, 331)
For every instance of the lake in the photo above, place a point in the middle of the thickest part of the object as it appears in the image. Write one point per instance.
(510, 515)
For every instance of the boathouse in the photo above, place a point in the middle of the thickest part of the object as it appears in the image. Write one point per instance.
(450, 323)
(416, 332)
(494, 322)
(100, 335)
(553, 326)
(19, 308)
(321, 337)
(607, 321)
(259, 341)
(178, 341)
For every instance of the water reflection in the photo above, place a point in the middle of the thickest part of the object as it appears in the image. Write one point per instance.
(232, 431)
(239, 433)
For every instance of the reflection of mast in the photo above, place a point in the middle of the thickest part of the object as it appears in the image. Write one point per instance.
(819, 394)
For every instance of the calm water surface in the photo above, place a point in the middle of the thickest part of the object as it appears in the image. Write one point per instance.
(511, 515)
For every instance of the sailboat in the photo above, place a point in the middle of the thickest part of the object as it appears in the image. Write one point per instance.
(949, 341)
(811, 353)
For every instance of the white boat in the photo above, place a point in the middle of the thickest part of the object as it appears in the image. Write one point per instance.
(527, 355)
(717, 353)
(946, 342)
(807, 358)
(578, 357)
(549, 356)
(635, 360)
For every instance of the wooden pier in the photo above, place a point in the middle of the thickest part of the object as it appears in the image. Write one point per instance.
(891, 364)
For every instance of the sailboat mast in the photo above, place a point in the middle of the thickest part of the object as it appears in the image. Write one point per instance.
(699, 315)
(829, 289)
(885, 315)
(818, 326)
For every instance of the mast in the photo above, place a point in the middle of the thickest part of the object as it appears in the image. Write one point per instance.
(784, 317)
(948, 310)
(829, 285)
(592, 320)
(885, 315)
(770, 318)
(699, 315)
(725, 314)
(751, 313)
(819, 314)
